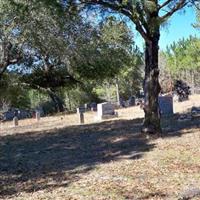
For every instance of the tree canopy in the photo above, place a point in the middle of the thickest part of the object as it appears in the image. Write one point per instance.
(63, 52)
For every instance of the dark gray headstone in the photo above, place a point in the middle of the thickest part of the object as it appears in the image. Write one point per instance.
(131, 101)
(81, 118)
(80, 110)
(166, 105)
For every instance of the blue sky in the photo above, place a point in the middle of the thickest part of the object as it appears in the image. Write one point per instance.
(179, 26)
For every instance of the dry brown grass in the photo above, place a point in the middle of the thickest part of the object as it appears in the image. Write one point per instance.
(58, 159)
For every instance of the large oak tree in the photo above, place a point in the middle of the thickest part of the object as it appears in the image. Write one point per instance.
(148, 16)
(64, 51)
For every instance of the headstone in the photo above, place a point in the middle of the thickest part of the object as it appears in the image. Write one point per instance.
(37, 115)
(15, 121)
(80, 110)
(81, 118)
(131, 101)
(105, 110)
(87, 106)
(93, 106)
(166, 105)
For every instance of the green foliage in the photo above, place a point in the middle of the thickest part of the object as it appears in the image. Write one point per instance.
(183, 61)
(36, 98)
(183, 55)
(11, 94)
(197, 24)
(130, 77)
(61, 52)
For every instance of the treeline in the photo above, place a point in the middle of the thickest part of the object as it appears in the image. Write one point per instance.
(181, 61)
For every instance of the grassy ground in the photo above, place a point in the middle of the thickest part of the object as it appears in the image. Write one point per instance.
(57, 159)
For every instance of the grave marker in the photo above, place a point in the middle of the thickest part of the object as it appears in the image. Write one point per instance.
(81, 118)
(105, 110)
(80, 110)
(37, 115)
(166, 105)
(15, 121)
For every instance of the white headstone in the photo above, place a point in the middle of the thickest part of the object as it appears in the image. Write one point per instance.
(105, 110)
(37, 115)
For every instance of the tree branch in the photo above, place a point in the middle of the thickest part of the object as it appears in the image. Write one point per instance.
(164, 4)
(125, 11)
(181, 4)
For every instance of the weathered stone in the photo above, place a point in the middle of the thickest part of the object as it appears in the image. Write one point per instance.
(166, 105)
(15, 121)
(105, 111)
(80, 110)
(37, 115)
(81, 118)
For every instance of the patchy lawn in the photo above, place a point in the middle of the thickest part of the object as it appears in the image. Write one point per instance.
(101, 161)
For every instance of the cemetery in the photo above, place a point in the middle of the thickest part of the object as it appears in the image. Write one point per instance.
(99, 100)
(45, 141)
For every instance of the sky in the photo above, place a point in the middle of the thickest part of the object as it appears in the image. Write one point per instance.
(179, 26)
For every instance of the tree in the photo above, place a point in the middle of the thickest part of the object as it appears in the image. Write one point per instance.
(148, 16)
(12, 95)
(10, 54)
(130, 77)
(57, 54)
(197, 25)
(183, 60)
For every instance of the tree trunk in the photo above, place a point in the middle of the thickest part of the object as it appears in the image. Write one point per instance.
(151, 87)
(57, 101)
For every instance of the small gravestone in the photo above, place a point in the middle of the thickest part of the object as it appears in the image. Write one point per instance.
(80, 114)
(15, 121)
(80, 110)
(81, 118)
(131, 101)
(105, 111)
(166, 105)
(37, 116)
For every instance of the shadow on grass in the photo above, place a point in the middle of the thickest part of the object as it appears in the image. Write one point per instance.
(173, 126)
(43, 160)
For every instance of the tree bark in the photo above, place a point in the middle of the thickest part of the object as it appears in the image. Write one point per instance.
(151, 86)
(57, 101)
